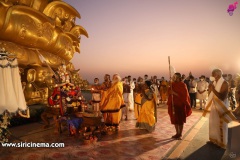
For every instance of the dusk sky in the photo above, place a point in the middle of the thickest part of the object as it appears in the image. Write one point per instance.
(135, 37)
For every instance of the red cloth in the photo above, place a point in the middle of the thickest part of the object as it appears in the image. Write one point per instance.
(181, 103)
(54, 99)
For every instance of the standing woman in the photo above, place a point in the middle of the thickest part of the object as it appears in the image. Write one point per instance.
(178, 104)
(148, 116)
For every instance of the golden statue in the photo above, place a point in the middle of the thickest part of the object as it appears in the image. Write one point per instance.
(43, 36)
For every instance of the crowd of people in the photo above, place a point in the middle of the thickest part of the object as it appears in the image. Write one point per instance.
(117, 96)
(142, 96)
(198, 89)
(120, 96)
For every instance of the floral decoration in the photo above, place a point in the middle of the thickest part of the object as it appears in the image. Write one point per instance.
(4, 133)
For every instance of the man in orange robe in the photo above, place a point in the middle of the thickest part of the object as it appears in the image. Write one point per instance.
(112, 102)
(178, 104)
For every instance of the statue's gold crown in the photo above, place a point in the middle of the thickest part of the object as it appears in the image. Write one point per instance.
(44, 25)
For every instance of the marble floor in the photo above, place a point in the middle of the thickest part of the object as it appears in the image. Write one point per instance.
(129, 143)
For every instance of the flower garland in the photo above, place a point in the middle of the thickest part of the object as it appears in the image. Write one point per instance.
(4, 133)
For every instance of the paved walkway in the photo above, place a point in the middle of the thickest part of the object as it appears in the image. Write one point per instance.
(129, 143)
(194, 146)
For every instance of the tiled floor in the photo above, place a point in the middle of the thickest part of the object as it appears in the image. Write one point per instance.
(129, 143)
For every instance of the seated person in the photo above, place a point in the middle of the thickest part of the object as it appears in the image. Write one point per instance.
(53, 111)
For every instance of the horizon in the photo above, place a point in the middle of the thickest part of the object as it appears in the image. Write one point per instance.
(136, 37)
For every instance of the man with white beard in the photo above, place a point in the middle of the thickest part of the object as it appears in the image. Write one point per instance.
(202, 93)
(220, 116)
(112, 102)
(130, 95)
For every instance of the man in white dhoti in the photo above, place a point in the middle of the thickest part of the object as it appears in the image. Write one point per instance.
(202, 93)
(220, 116)
(130, 95)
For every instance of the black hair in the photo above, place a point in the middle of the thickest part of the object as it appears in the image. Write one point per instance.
(178, 74)
(191, 77)
(148, 83)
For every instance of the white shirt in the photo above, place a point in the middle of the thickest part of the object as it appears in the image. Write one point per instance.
(193, 86)
(202, 86)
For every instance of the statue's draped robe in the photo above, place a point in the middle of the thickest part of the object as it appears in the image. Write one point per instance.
(11, 91)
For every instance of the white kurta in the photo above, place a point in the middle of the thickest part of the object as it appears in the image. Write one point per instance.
(126, 101)
(130, 96)
(193, 86)
(96, 98)
(202, 86)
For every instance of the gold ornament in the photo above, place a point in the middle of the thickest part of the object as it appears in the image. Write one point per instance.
(42, 34)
